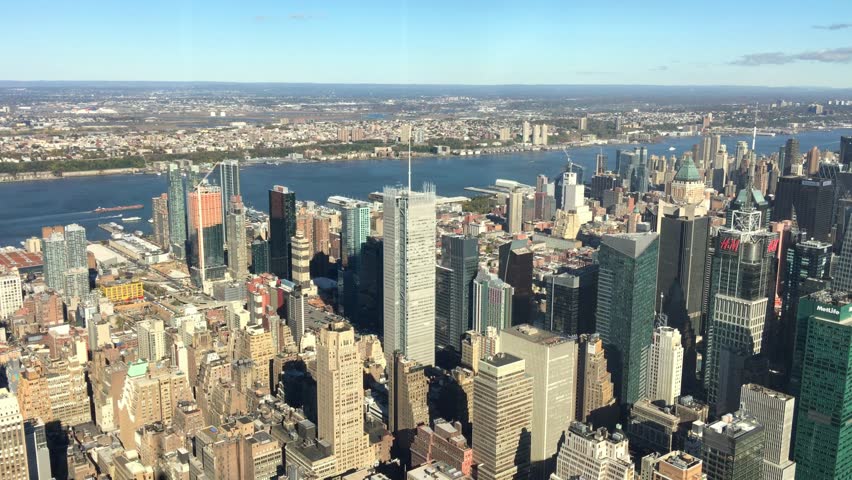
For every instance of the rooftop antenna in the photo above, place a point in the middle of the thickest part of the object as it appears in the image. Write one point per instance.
(751, 167)
(409, 161)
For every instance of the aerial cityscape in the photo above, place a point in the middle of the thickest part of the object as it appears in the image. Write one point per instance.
(311, 241)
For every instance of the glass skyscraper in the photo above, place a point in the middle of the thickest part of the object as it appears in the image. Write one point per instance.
(229, 177)
(177, 212)
(454, 306)
(282, 228)
(627, 283)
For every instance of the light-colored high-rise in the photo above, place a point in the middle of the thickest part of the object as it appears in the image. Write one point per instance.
(53, 248)
(515, 211)
(229, 177)
(235, 237)
(151, 335)
(774, 410)
(75, 245)
(551, 360)
(665, 365)
(13, 449)
(11, 297)
(409, 273)
(300, 260)
(502, 418)
(340, 394)
(593, 455)
(596, 390)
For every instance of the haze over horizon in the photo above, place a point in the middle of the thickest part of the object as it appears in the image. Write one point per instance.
(439, 43)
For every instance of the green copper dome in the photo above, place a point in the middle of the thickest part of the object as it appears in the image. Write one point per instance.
(687, 172)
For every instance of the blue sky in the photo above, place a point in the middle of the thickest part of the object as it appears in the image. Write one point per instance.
(745, 42)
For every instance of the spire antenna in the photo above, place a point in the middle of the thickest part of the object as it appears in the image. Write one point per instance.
(409, 161)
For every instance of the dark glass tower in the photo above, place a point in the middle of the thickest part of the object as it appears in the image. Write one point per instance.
(454, 295)
(229, 177)
(813, 202)
(572, 301)
(681, 283)
(259, 256)
(625, 312)
(846, 150)
(282, 228)
(177, 212)
(516, 269)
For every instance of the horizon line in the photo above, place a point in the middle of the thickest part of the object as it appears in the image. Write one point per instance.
(234, 82)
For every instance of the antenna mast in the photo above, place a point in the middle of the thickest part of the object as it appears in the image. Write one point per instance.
(409, 161)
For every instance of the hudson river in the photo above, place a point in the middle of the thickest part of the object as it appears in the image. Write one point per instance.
(27, 206)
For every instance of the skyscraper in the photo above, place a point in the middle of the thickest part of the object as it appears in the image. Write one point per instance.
(11, 297)
(454, 310)
(340, 397)
(823, 434)
(152, 339)
(812, 200)
(593, 454)
(75, 244)
(492, 302)
(625, 315)
(595, 391)
(13, 450)
(733, 448)
(682, 281)
(229, 178)
(665, 362)
(300, 266)
(792, 155)
(408, 388)
(207, 255)
(502, 415)
(409, 273)
(551, 360)
(282, 228)
(177, 212)
(160, 217)
(235, 230)
(515, 212)
(742, 293)
(774, 410)
(53, 250)
(516, 269)
(38, 454)
(354, 233)
(846, 150)
(259, 256)
(572, 300)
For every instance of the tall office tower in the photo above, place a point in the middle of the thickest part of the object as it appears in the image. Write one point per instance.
(682, 275)
(572, 193)
(733, 448)
(300, 267)
(502, 415)
(38, 454)
(742, 295)
(536, 135)
(741, 153)
(13, 449)
(53, 249)
(812, 200)
(516, 269)
(551, 360)
(823, 436)
(354, 233)
(812, 163)
(625, 315)
(572, 300)
(541, 183)
(806, 270)
(675, 465)
(177, 212)
(774, 410)
(160, 217)
(845, 150)
(207, 255)
(687, 186)
(282, 228)
(409, 273)
(492, 302)
(665, 362)
(408, 388)
(255, 343)
(792, 156)
(593, 455)
(454, 310)
(595, 390)
(235, 233)
(297, 305)
(11, 296)
(515, 211)
(526, 132)
(260, 256)
(600, 163)
(76, 282)
(705, 151)
(152, 340)
(715, 147)
(149, 394)
(340, 396)
(229, 178)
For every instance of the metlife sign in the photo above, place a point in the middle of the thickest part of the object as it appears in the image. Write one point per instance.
(833, 311)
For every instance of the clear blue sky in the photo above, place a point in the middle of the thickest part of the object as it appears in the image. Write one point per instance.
(746, 42)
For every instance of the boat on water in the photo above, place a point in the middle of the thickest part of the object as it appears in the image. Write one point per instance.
(672, 149)
(117, 209)
(131, 219)
(150, 220)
